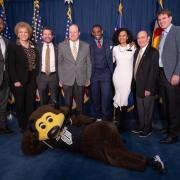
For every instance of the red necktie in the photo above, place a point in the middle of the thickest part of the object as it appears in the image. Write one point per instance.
(99, 44)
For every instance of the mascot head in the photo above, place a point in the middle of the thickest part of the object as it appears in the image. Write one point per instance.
(44, 123)
(47, 121)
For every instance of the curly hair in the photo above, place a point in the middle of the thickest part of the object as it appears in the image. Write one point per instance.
(115, 39)
(23, 25)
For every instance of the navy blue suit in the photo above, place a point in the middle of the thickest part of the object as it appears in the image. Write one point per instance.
(101, 80)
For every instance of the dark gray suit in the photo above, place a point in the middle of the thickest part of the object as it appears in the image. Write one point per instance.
(171, 66)
(49, 82)
(73, 74)
(4, 86)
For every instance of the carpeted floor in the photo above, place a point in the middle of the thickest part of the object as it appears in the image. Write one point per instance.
(58, 164)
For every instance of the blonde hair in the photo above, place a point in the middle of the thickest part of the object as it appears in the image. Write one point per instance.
(23, 25)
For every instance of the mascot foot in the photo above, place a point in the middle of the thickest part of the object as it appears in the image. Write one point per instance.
(157, 164)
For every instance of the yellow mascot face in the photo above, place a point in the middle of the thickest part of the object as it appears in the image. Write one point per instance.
(48, 125)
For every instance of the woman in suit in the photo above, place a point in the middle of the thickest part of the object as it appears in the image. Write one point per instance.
(22, 68)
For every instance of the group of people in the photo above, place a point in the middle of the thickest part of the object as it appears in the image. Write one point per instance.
(75, 64)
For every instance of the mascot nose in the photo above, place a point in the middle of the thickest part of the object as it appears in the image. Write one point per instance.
(53, 132)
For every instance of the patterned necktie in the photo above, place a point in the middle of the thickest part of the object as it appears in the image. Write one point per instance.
(47, 60)
(99, 44)
(74, 50)
(137, 62)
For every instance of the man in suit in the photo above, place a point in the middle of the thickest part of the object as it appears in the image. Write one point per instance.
(169, 65)
(74, 68)
(145, 78)
(47, 79)
(4, 81)
(101, 78)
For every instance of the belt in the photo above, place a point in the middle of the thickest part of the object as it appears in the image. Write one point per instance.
(48, 74)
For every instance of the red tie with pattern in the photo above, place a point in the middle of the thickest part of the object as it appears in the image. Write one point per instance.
(99, 44)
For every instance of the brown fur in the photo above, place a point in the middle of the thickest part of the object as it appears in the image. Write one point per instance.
(30, 144)
(99, 140)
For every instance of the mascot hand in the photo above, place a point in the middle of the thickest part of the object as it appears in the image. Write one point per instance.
(30, 144)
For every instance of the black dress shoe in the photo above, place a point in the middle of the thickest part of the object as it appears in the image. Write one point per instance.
(137, 131)
(169, 140)
(6, 130)
(145, 133)
(163, 131)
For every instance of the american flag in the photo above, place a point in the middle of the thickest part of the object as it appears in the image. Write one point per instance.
(69, 17)
(37, 23)
(6, 32)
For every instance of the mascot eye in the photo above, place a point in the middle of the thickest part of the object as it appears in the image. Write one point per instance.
(49, 119)
(42, 126)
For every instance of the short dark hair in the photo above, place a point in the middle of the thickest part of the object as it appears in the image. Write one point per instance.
(116, 35)
(164, 11)
(48, 28)
(98, 26)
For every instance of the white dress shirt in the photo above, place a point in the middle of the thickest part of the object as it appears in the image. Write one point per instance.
(2, 46)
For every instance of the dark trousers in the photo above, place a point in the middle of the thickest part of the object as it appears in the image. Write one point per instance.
(24, 100)
(4, 92)
(170, 96)
(48, 83)
(145, 107)
(101, 99)
(75, 92)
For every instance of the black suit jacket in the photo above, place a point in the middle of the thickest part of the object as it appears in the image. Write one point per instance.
(40, 59)
(147, 72)
(17, 64)
(2, 61)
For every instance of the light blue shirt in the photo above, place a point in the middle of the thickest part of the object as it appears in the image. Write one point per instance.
(161, 44)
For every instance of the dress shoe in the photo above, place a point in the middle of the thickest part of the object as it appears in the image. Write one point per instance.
(169, 140)
(145, 133)
(6, 130)
(163, 131)
(98, 119)
(137, 131)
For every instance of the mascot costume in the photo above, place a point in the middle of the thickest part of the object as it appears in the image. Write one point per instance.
(49, 127)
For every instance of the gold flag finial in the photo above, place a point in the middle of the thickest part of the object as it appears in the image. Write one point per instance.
(161, 3)
(120, 8)
(2, 2)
